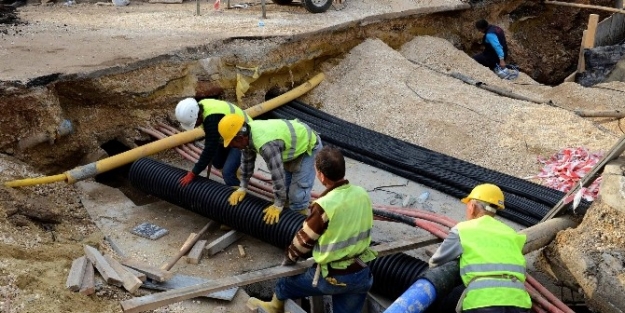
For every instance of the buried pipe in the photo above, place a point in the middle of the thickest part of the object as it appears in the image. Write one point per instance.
(542, 234)
(436, 281)
(101, 166)
(64, 129)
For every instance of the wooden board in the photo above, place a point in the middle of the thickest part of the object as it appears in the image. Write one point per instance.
(150, 271)
(87, 287)
(196, 252)
(142, 277)
(129, 280)
(154, 301)
(593, 20)
(223, 242)
(107, 272)
(76, 273)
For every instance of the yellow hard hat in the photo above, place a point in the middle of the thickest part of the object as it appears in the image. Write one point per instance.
(488, 193)
(229, 127)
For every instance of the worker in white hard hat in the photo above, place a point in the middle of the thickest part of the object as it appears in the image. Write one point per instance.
(492, 265)
(207, 113)
(288, 148)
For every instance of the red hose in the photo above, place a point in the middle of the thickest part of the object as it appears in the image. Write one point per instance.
(538, 298)
(537, 308)
(419, 214)
(550, 296)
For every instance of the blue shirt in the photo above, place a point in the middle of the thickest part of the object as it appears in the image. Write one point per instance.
(491, 39)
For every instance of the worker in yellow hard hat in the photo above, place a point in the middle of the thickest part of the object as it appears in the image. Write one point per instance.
(288, 148)
(492, 265)
(207, 113)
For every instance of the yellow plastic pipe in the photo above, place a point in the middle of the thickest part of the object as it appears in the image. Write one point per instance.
(101, 166)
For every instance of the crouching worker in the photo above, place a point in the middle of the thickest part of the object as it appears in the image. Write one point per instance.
(492, 265)
(287, 146)
(208, 113)
(338, 231)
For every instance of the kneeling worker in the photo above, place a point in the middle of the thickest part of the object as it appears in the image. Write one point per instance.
(492, 265)
(287, 146)
(338, 231)
(208, 113)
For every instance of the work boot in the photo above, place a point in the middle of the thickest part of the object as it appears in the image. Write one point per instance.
(275, 306)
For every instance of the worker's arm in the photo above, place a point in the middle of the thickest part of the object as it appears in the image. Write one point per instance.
(492, 40)
(314, 226)
(211, 140)
(248, 162)
(449, 250)
(272, 154)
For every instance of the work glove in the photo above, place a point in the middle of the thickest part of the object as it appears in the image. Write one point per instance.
(272, 214)
(237, 196)
(288, 262)
(187, 179)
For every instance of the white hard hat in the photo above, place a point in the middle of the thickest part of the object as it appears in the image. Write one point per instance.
(187, 111)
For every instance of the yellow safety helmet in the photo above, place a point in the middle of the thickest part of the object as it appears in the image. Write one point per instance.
(488, 193)
(229, 127)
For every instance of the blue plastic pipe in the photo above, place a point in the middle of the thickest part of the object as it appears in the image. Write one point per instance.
(415, 300)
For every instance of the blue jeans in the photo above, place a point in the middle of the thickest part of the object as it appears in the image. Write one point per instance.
(345, 299)
(228, 161)
(300, 182)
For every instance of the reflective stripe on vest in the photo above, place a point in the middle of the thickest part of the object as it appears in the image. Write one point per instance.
(492, 268)
(345, 243)
(483, 283)
(291, 151)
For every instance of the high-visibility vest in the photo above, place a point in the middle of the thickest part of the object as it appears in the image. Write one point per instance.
(212, 106)
(298, 137)
(492, 265)
(348, 235)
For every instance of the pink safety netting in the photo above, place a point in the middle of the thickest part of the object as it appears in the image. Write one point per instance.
(566, 167)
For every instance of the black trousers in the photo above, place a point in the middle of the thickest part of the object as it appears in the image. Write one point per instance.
(489, 60)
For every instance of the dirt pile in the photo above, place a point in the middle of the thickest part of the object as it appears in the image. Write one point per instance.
(410, 95)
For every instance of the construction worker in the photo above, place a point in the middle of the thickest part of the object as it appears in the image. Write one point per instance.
(492, 266)
(338, 231)
(495, 46)
(287, 146)
(208, 113)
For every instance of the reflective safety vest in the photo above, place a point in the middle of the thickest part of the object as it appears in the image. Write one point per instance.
(348, 235)
(298, 137)
(492, 265)
(212, 106)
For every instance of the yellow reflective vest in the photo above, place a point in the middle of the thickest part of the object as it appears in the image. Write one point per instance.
(492, 265)
(298, 137)
(348, 235)
(212, 106)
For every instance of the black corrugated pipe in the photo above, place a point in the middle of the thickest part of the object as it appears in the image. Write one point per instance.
(528, 202)
(210, 199)
(393, 274)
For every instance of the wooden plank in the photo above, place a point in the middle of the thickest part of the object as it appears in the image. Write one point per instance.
(150, 271)
(571, 78)
(76, 273)
(107, 272)
(593, 20)
(586, 6)
(597, 113)
(137, 274)
(581, 61)
(196, 252)
(242, 251)
(129, 281)
(87, 287)
(185, 248)
(153, 301)
(614, 153)
(223, 242)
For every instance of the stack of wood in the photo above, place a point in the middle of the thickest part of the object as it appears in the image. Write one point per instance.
(129, 274)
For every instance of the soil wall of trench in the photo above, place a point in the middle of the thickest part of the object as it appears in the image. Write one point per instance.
(109, 104)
